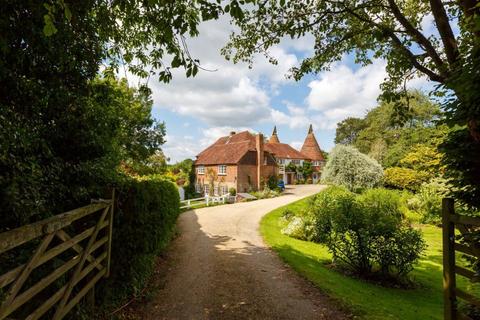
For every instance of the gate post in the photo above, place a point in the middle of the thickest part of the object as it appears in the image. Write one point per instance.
(449, 283)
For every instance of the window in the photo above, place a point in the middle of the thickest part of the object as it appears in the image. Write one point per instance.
(295, 161)
(201, 170)
(222, 170)
(281, 161)
(224, 190)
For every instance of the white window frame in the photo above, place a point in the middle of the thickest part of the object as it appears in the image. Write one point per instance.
(201, 169)
(222, 170)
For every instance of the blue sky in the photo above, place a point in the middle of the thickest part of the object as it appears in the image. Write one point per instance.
(199, 110)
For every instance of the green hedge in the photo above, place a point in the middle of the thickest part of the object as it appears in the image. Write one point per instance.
(145, 216)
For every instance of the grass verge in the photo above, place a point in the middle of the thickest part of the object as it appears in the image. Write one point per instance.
(368, 300)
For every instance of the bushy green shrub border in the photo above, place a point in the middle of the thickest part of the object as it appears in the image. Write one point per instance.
(366, 233)
(145, 216)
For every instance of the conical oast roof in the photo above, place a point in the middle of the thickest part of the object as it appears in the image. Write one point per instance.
(274, 137)
(310, 147)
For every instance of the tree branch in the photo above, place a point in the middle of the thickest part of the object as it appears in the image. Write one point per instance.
(398, 43)
(445, 30)
(417, 35)
(431, 74)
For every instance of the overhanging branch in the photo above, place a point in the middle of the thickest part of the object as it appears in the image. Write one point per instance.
(417, 35)
(445, 30)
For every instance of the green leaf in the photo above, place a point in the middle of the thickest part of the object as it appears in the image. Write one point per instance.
(68, 13)
(49, 28)
(176, 62)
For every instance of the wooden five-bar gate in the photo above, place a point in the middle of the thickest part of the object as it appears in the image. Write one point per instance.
(458, 242)
(72, 248)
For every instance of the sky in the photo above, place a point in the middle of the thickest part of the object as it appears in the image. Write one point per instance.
(233, 97)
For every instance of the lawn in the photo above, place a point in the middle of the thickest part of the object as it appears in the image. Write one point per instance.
(367, 300)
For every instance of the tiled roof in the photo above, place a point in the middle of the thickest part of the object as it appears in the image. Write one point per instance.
(284, 151)
(227, 150)
(274, 137)
(310, 147)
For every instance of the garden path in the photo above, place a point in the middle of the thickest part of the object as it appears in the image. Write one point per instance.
(219, 268)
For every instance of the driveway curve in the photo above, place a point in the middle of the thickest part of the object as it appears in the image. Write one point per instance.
(220, 268)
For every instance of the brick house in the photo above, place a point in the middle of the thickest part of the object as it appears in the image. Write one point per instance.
(237, 161)
(245, 161)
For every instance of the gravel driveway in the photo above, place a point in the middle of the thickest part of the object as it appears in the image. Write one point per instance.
(220, 268)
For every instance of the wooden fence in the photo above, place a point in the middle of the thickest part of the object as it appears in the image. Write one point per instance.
(207, 200)
(453, 243)
(72, 248)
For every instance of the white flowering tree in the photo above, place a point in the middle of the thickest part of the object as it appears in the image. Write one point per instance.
(349, 167)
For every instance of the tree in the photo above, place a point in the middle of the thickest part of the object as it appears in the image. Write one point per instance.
(61, 134)
(348, 129)
(352, 169)
(390, 30)
(53, 167)
(388, 136)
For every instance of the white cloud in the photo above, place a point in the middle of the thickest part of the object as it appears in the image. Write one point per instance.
(233, 94)
(295, 118)
(296, 144)
(343, 92)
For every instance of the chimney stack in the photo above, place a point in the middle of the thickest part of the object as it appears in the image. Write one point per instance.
(260, 156)
(232, 133)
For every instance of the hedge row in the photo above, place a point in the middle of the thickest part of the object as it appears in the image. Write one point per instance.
(145, 216)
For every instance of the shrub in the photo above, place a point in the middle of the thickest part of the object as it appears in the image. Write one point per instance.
(272, 182)
(404, 178)
(429, 201)
(295, 228)
(299, 225)
(349, 167)
(145, 216)
(396, 254)
(366, 233)
(232, 191)
(265, 193)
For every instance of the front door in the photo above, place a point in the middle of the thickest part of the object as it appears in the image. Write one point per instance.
(289, 178)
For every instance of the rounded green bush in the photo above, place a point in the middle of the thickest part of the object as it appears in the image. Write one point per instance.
(366, 233)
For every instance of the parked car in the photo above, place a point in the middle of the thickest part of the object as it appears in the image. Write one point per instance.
(281, 185)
